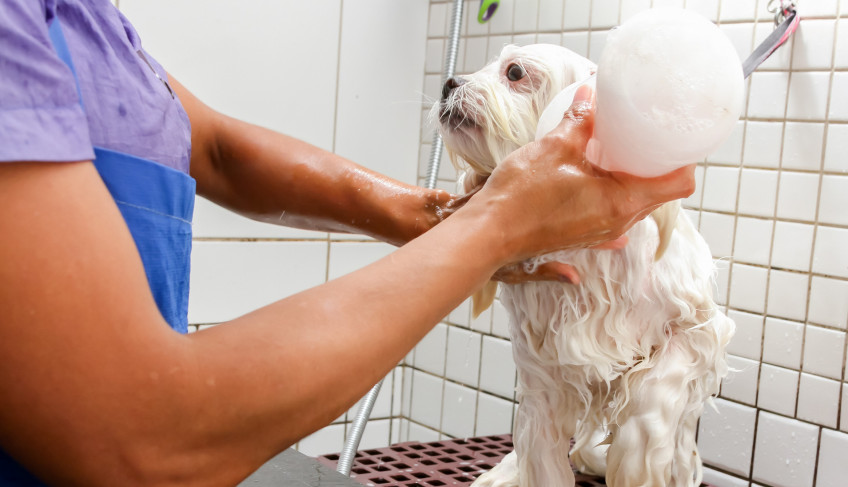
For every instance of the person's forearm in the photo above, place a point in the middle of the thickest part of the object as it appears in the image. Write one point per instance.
(275, 178)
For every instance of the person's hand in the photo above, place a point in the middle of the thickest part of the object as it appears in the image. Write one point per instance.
(551, 271)
(546, 196)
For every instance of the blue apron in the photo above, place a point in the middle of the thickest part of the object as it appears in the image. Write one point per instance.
(157, 203)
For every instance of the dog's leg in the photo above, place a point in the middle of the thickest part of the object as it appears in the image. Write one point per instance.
(505, 474)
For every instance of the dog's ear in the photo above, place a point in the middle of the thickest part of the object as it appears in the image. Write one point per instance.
(666, 219)
(482, 299)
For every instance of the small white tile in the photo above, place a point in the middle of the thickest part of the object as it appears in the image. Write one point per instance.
(494, 415)
(841, 57)
(329, 439)
(814, 42)
(577, 42)
(382, 405)
(808, 92)
(213, 221)
(668, 3)
(421, 433)
(782, 342)
(778, 389)
(463, 361)
(730, 151)
(722, 279)
(788, 294)
(785, 451)
(748, 339)
(829, 256)
(741, 36)
(577, 15)
(426, 399)
(707, 8)
(844, 415)
(781, 58)
(604, 13)
(767, 97)
(694, 200)
(460, 408)
(748, 288)
(833, 450)
(828, 302)
(793, 246)
(434, 61)
(501, 22)
(819, 8)
(550, 15)
(720, 188)
(753, 240)
(762, 144)
(818, 400)
(717, 229)
(406, 395)
(738, 10)
(797, 196)
(741, 382)
(549, 38)
(471, 26)
(430, 351)
(461, 315)
(836, 152)
(823, 351)
(375, 435)
(725, 437)
(438, 23)
(497, 374)
(833, 207)
(633, 7)
(526, 16)
(802, 146)
(500, 320)
(758, 192)
(483, 323)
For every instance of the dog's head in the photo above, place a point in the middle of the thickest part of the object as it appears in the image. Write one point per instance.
(487, 115)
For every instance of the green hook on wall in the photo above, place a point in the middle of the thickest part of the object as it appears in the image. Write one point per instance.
(487, 9)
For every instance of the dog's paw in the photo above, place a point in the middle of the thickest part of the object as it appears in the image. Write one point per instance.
(504, 474)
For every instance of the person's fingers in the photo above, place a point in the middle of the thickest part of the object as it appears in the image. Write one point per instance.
(578, 122)
(616, 244)
(550, 271)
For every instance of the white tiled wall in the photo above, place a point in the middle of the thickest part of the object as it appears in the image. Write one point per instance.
(345, 76)
(773, 205)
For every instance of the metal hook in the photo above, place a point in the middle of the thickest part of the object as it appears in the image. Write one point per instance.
(780, 11)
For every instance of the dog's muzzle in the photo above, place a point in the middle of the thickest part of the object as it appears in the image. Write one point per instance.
(451, 112)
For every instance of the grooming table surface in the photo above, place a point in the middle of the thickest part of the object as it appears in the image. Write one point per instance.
(454, 463)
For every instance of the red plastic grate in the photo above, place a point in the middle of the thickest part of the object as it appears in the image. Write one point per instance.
(454, 463)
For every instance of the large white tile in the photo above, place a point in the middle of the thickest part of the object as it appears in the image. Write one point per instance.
(577, 42)
(577, 13)
(785, 452)
(788, 294)
(814, 44)
(713, 477)
(417, 432)
(717, 229)
(841, 57)
(738, 10)
(720, 188)
(550, 15)
(375, 435)
(526, 16)
(828, 302)
(762, 144)
(463, 360)
(229, 279)
(823, 351)
(797, 196)
(633, 7)
(494, 415)
(605, 13)
(778, 390)
(829, 256)
(497, 374)
(430, 352)
(839, 97)
(213, 221)
(346, 257)
(725, 437)
(753, 240)
(382, 407)
(437, 25)
(748, 339)
(239, 58)
(502, 21)
(833, 450)
(818, 400)
(782, 342)
(836, 152)
(730, 150)
(329, 439)
(758, 192)
(460, 406)
(381, 66)
(741, 36)
(793, 246)
(802, 146)
(819, 8)
(767, 97)
(476, 55)
(500, 320)
(597, 41)
(782, 57)
(833, 207)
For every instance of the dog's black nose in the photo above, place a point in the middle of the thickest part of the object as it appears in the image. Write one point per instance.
(451, 84)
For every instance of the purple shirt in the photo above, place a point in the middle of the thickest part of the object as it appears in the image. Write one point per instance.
(127, 108)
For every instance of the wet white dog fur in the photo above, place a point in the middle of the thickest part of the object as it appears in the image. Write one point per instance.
(625, 361)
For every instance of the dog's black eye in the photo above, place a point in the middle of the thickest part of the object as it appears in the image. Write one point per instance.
(515, 72)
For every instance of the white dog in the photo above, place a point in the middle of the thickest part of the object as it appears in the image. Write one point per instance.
(622, 362)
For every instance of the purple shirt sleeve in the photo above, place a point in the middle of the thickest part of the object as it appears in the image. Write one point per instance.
(40, 115)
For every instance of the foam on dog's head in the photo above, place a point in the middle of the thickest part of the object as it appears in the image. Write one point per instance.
(494, 111)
